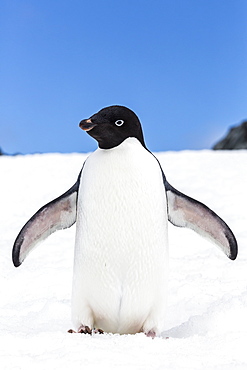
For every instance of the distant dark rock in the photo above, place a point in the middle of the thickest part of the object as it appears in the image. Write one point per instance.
(3, 153)
(236, 138)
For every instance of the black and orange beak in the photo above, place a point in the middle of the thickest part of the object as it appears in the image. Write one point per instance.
(87, 124)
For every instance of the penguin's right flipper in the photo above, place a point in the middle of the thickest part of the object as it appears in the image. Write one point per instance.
(59, 214)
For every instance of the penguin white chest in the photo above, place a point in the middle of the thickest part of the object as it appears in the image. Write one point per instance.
(120, 269)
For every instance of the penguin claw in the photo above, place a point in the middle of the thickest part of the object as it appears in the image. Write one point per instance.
(85, 330)
(71, 331)
(98, 331)
(151, 334)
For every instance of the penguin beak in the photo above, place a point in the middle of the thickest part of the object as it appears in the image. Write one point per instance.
(87, 124)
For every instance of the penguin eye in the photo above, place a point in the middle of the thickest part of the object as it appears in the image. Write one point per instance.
(119, 122)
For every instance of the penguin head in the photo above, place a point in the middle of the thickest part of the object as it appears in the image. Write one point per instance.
(112, 125)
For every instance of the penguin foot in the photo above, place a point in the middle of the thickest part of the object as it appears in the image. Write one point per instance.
(151, 334)
(86, 330)
(82, 330)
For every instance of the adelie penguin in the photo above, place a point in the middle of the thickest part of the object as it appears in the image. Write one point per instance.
(121, 203)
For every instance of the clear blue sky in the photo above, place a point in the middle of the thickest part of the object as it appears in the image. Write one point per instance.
(181, 65)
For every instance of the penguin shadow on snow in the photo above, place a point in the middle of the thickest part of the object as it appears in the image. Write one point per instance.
(195, 325)
(226, 313)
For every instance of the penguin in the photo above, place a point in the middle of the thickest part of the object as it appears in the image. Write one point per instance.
(121, 203)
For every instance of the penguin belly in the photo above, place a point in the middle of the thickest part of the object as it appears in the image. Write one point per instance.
(121, 249)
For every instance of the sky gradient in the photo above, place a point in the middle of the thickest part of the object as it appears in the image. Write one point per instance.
(181, 65)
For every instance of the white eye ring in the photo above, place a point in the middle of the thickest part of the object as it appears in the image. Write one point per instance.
(119, 122)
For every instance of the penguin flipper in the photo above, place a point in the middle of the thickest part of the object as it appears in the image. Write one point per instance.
(184, 211)
(58, 214)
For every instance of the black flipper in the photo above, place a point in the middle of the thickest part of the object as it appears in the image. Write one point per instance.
(58, 214)
(184, 211)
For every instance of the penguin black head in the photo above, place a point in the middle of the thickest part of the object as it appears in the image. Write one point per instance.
(112, 125)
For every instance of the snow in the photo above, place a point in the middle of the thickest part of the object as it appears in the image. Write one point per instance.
(207, 301)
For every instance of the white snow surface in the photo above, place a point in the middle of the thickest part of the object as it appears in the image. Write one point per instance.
(206, 318)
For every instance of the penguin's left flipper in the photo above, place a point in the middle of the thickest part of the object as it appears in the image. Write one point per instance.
(59, 214)
(184, 211)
